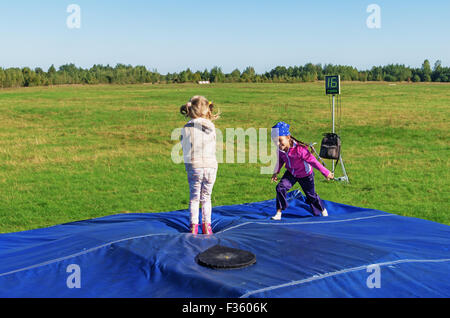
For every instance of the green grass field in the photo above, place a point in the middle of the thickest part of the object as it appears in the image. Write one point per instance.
(70, 153)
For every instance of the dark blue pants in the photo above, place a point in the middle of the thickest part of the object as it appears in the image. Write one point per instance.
(307, 184)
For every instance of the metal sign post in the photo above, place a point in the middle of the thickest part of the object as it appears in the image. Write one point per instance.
(333, 88)
(332, 119)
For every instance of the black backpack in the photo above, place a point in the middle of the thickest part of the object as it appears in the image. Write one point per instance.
(331, 146)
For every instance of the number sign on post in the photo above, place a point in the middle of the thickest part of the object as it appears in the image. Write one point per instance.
(333, 85)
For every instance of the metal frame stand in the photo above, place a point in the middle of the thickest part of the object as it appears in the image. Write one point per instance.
(311, 145)
(344, 177)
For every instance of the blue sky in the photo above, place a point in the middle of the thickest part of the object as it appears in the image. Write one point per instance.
(172, 35)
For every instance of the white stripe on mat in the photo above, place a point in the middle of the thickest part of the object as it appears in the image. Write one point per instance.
(306, 223)
(343, 271)
(79, 253)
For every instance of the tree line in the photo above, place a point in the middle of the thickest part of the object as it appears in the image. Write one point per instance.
(127, 74)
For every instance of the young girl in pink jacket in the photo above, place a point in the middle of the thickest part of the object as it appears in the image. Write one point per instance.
(299, 164)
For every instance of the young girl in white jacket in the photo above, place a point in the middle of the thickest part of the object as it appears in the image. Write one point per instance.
(198, 140)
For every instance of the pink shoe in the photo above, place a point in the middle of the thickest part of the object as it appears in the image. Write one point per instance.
(206, 228)
(194, 228)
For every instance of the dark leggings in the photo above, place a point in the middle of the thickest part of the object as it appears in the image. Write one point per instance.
(307, 184)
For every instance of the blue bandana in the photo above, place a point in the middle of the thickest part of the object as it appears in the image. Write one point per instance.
(283, 128)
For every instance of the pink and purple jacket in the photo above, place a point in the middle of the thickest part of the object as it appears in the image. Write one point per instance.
(299, 162)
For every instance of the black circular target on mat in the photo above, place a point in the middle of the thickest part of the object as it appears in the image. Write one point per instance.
(223, 257)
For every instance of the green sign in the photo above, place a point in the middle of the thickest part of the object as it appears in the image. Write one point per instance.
(333, 85)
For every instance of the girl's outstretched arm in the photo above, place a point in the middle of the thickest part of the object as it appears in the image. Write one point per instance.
(311, 159)
(279, 164)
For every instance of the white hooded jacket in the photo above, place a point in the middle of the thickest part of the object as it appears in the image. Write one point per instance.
(198, 140)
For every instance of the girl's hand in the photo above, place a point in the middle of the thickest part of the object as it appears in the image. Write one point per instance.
(274, 178)
(330, 176)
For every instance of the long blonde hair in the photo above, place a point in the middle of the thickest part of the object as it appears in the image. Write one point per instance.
(199, 106)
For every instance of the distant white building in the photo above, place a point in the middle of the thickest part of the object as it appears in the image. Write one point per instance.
(203, 82)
